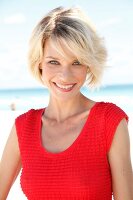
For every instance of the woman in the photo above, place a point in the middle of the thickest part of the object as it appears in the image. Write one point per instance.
(75, 148)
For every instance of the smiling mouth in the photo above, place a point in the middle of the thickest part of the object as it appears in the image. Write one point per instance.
(65, 88)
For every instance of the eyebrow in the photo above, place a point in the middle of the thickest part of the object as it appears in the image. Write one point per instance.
(51, 57)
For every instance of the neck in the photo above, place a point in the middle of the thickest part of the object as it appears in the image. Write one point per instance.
(61, 110)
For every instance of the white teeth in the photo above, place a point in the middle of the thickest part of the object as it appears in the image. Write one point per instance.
(64, 86)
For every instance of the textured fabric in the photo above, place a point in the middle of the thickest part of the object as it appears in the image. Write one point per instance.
(81, 171)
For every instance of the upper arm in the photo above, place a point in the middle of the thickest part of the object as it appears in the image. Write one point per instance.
(10, 164)
(120, 163)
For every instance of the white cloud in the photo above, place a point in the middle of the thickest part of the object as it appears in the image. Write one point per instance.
(17, 18)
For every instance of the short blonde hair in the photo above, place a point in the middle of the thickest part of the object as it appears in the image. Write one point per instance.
(75, 30)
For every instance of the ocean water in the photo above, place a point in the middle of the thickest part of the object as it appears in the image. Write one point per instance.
(25, 99)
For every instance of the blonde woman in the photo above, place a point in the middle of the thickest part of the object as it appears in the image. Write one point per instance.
(75, 148)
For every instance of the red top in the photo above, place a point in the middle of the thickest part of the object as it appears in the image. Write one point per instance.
(81, 171)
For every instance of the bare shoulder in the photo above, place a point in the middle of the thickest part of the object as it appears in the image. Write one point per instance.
(12, 142)
(121, 140)
(11, 153)
(120, 163)
(10, 164)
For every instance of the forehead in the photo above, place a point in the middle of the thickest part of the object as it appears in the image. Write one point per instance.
(57, 49)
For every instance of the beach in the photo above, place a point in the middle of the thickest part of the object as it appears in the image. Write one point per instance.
(6, 121)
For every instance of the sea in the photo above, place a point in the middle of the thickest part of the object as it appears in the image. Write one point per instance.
(27, 98)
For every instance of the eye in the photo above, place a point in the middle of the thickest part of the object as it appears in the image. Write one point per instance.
(53, 62)
(76, 62)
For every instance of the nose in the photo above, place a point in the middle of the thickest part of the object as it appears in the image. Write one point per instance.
(65, 74)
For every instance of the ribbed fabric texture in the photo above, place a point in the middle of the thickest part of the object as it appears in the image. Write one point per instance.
(82, 171)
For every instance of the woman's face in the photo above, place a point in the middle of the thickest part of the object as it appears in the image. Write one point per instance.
(63, 76)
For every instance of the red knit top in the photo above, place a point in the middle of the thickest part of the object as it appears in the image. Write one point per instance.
(82, 171)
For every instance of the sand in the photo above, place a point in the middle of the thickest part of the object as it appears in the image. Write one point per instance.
(6, 122)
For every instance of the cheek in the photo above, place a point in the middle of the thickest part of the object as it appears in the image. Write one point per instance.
(81, 74)
(47, 75)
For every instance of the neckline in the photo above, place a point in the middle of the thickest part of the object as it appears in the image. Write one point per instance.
(72, 146)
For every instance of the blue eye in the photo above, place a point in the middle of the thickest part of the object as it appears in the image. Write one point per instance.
(76, 63)
(53, 62)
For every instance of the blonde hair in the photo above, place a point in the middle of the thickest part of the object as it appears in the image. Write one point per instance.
(75, 30)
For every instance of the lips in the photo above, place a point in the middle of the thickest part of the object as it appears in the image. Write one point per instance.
(65, 87)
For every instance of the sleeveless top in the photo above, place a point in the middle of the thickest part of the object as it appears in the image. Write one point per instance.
(82, 171)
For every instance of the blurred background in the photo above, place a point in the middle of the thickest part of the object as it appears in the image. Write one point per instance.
(18, 89)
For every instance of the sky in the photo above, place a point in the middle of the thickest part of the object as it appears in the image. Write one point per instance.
(113, 21)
